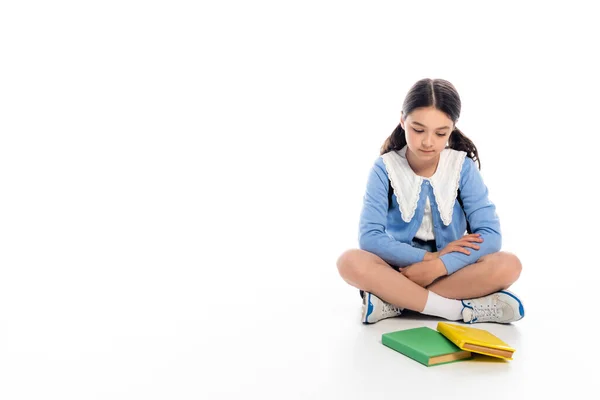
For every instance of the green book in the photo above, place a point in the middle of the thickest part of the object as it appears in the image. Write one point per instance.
(425, 345)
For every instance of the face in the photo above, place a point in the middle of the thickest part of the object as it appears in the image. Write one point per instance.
(427, 132)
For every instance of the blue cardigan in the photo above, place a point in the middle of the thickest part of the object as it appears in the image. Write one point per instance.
(383, 232)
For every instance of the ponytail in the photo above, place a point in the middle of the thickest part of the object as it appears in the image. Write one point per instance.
(395, 141)
(458, 141)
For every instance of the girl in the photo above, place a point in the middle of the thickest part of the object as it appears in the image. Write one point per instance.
(414, 253)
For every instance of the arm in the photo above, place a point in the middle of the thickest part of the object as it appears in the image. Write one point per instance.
(373, 221)
(481, 214)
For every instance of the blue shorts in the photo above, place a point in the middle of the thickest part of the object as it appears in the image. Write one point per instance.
(428, 245)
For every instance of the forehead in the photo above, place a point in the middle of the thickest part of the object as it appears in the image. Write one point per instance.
(429, 117)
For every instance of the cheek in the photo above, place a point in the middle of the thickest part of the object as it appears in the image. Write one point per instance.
(411, 137)
(440, 144)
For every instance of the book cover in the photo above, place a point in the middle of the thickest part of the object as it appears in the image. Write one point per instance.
(476, 340)
(425, 345)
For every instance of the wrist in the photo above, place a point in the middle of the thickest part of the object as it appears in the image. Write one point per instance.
(430, 256)
(440, 267)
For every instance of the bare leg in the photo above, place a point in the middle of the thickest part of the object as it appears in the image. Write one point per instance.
(490, 274)
(369, 272)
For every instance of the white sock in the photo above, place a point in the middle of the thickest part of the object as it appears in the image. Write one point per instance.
(442, 307)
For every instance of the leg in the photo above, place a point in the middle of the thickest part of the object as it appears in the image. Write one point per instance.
(492, 273)
(370, 273)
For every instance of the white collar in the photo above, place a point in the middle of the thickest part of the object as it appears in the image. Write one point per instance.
(444, 182)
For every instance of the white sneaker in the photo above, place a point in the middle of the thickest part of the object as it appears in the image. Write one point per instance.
(502, 307)
(374, 309)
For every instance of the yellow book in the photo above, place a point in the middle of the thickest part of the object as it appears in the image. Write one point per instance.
(476, 340)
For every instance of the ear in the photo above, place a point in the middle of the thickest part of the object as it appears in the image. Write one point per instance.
(402, 120)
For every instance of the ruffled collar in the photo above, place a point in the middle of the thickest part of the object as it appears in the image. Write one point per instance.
(407, 184)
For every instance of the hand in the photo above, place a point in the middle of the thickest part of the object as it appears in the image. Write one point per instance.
(460, 244)
(425, 272)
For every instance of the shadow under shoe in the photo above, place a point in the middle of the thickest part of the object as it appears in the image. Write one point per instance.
(374, 309)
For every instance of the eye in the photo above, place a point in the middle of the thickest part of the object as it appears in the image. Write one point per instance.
(417, 130)
(441, 134)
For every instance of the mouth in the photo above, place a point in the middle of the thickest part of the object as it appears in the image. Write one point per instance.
(426, 151)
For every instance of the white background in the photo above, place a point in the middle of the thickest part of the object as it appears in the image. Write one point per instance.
(177, 180)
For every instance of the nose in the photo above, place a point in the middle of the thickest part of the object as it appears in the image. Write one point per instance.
(426, 141)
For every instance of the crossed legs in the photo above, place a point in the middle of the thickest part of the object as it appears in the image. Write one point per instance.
(369, 272)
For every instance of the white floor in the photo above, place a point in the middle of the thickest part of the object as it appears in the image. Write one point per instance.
(157, 336)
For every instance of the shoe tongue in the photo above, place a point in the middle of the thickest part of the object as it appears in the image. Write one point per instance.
(467, 314)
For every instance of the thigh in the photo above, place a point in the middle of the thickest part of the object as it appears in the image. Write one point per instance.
(492, 257)
(362, 256)
(365, 256)
(427, 245)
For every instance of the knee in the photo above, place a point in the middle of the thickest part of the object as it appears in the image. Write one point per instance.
(509, 268)
(349, 265)
(513, 266)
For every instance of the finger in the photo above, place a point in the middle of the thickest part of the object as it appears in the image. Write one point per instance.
(473, 237)
(462, 250)
(463, 241)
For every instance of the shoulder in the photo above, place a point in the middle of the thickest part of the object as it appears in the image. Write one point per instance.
(379, 163)
(378, 170)
(470, 175)
(466, 163)
(384, 162)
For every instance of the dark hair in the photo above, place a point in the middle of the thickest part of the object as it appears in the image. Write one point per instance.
(442, 95)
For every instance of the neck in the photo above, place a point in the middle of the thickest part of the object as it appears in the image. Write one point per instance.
(425, 168)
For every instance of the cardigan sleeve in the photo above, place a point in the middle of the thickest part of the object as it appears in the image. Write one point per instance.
(373, 221)
(482, 217)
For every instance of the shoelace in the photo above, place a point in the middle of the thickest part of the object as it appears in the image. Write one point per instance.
(389, 309)
(486, 312)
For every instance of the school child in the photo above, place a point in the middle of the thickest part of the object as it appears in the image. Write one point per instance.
(429, 237)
